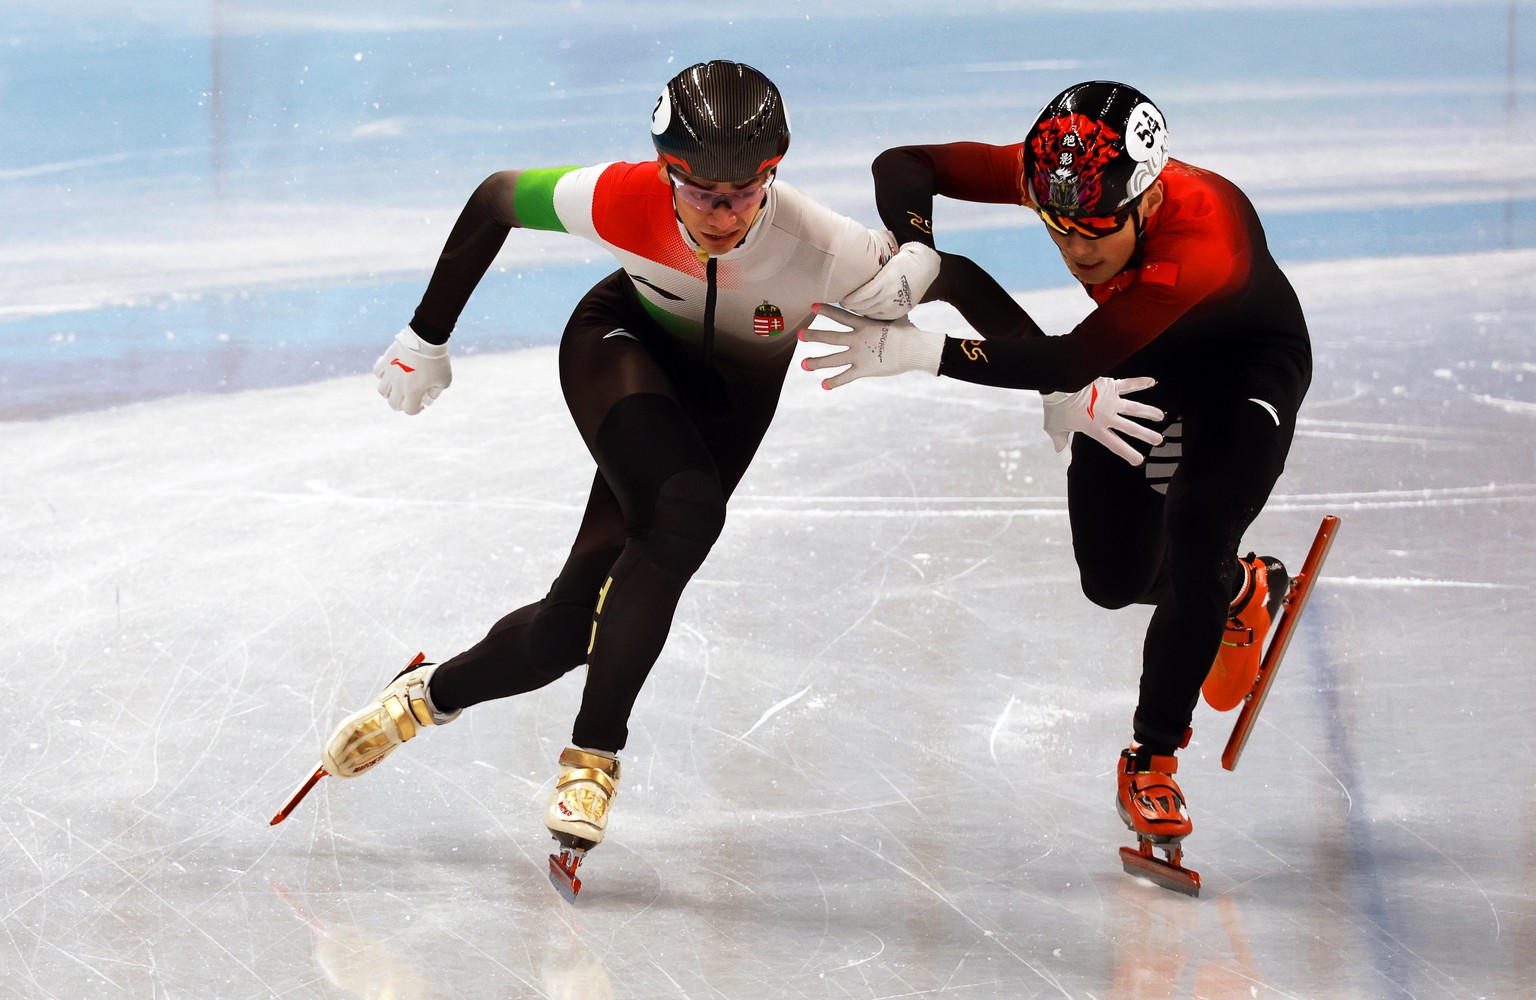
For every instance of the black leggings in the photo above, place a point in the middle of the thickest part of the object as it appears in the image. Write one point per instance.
(1176, 551)
(671, 439)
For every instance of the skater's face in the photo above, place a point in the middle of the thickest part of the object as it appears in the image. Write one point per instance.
(1094, 260)
(717, 214)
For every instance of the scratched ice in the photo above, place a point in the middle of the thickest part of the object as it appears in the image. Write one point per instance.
(875, 759)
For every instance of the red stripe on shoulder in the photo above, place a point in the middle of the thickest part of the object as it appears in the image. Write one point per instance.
(632, 210)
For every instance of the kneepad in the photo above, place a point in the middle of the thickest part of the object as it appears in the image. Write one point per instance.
(690, 514)
(664, 480)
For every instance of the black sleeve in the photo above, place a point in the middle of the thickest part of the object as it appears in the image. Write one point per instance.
(991, 312)
(907, 178)
(1048, 364)
(472, 245)
(905, 183)
(984, 303)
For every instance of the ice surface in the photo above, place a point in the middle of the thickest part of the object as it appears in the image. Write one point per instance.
(875, 758)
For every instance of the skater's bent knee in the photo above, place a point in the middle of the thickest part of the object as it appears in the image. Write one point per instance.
(1110, 595)
(690, 514)
(1113, 588)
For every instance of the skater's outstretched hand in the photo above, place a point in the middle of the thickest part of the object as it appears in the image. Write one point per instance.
(872, 347)
(412, 373)
(898, 286)
(1099, 410)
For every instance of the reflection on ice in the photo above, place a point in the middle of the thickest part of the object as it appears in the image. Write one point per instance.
(382, 953)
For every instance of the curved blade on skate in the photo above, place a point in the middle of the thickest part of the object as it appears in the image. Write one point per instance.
(1170, 874)
(298, 796)
(1290, 614)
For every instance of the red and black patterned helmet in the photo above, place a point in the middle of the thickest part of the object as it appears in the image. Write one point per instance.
(720, 121)
(1094, 148)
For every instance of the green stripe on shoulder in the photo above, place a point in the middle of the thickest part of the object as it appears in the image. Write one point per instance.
(534, 198)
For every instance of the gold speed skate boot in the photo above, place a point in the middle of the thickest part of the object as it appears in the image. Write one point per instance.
(577, 814)
(367, 736)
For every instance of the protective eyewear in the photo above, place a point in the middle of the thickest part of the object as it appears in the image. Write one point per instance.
(705, 199)
(1094, 227)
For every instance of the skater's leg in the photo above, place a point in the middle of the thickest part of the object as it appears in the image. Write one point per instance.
(1117, 527)
(1234, 451)
(673, 478)
(671, 461)
(662, 455)
(540, 642)
(537, 643)
(674, 505)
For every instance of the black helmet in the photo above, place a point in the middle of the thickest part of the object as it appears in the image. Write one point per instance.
(720, 121)
(1094, 149)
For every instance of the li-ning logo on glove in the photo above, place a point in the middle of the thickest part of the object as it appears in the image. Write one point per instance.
(1093, 399)
(402, 365)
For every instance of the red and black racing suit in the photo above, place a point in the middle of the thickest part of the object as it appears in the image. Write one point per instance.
(1204, 309)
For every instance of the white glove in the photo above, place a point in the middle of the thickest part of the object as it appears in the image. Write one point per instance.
(1098, 410)
(872, 347)
(898, 286)
(412, 373)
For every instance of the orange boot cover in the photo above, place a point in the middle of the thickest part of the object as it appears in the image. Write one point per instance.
(1242, 641)
(1149, 800)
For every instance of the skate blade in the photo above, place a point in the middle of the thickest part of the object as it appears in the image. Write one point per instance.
(1141, 862)
(1290, 613)
(562, 874)
(298, 796)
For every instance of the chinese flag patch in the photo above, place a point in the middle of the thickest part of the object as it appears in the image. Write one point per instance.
(1160, 272)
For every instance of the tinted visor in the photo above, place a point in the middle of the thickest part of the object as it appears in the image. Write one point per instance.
(1091, 227)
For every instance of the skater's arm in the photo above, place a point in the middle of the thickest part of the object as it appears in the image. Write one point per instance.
(908, 177)
(1096, 409)
(906, 180)
(1066, 363)
(472, 245)
(983, 303)
(415, 368)
(1050, 364)
(506, 200)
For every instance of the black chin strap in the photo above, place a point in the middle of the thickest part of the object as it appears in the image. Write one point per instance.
(1140, 223)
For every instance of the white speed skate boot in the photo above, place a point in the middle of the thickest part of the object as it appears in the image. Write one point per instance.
(577, 814)
(367, 736)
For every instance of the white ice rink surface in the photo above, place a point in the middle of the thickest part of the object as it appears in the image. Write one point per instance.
(875, 759)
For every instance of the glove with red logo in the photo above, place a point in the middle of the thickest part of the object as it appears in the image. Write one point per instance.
(1098, 410)
(412, 373)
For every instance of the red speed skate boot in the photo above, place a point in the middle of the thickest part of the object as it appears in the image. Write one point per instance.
(1252, 613)
(1152, 806)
